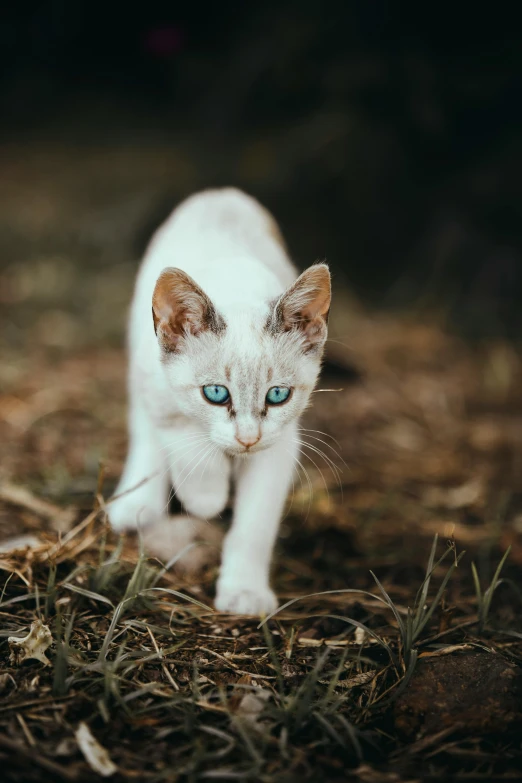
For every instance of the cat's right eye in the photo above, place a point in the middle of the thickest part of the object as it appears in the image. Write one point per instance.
(216, 394)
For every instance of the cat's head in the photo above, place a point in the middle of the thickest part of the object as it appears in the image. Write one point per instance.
(245, 377)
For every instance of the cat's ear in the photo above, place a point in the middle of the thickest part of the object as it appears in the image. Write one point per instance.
(305, 305)
(179, 308)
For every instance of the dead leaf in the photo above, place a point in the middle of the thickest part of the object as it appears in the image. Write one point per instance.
(95, 754)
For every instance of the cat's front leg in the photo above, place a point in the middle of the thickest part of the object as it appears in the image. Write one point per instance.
(199, 471)
(244, 582)
(141, 496)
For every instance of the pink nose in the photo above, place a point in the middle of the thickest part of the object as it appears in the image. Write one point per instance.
(247, 442)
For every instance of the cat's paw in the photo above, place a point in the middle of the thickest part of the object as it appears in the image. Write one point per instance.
(132, 511)
(205, 499)
(204, 493)
(245, 599)
(205, 504)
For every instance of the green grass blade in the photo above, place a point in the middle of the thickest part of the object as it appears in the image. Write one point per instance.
(88, 594)
(327, 726)
(173, 560)
(184, 596)
(318, 595)
(275, 660)
(367, 630)
(427, 616)
(402, 684)
(488, 594)
(422, 595)
(478, 592)
(389, 602)
(352, 734)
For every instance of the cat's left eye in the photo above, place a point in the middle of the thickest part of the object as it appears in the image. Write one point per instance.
(217, 395)
(277, 395)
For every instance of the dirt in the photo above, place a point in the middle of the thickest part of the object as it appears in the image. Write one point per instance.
(474, 692)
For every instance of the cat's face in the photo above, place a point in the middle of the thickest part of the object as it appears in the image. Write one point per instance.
(246, 378)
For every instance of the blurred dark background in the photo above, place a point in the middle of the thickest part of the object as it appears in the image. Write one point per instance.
(386, 139)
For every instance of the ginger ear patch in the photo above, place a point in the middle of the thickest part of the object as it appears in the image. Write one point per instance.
(179, 308)
(304, 307)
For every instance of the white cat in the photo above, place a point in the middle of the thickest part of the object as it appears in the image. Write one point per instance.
(219, 373)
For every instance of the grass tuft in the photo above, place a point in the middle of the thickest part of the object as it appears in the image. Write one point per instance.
(484, 598)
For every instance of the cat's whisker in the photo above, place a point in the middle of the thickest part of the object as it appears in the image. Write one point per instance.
(210, 458)
(170, 497)
(314, 463)
(175, 489)
(175, 446)
(330, 463)
(320, 440)
(296, 471)
(190, 465)
(326, 458)
(310, 488)
(170, 465)
(321, 452)
(193, 444)
(340, 342)
(289, 507)
(194, 468)
(310, 485)
(174, 458)
(320, 432)
(316, 391)
(335, 470)
(185, 439)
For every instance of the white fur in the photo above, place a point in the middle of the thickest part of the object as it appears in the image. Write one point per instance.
(229, 246)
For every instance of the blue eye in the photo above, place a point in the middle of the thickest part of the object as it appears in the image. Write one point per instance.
(218, 395)
(277, 394)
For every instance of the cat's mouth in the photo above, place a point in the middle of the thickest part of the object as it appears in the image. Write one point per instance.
(245, 451)
(241, 452)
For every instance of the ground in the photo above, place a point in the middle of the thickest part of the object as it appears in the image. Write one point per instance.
(394, 659)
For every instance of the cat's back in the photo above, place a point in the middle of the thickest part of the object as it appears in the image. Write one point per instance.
(224, 211)
(216, 234)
